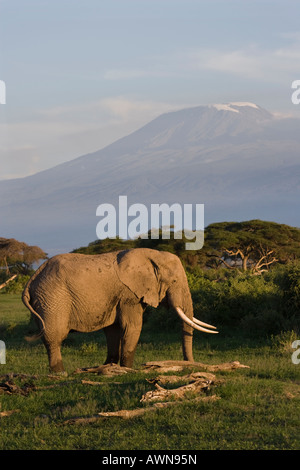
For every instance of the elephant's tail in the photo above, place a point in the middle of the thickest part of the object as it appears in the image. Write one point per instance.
(26, 300)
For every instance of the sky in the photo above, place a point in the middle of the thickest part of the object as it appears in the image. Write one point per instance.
(80, 74)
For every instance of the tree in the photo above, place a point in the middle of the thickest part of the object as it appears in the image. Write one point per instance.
(18, 255)
(252, 246)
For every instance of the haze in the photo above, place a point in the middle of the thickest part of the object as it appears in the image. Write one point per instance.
(80, 75)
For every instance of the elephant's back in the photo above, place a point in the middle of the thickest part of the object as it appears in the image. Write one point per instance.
(71, 262)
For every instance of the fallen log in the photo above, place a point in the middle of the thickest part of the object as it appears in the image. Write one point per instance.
(91, 382)
(129, 414)
(168, 366)
(165, 379)
(109, 370)
(161, 394)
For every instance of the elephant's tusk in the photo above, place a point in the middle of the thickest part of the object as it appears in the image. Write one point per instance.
(201, 323)
(190, 322)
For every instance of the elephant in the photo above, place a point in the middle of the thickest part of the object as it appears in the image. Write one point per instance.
(109, 291)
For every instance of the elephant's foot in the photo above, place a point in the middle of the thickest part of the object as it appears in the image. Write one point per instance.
(127, 361)
(57, 367)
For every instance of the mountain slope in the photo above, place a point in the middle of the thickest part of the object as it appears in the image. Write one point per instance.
(235, 158)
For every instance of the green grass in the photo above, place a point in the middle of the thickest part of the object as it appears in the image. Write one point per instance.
(259, 407)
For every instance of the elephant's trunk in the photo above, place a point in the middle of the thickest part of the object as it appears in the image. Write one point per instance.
(187, 341)
(180, 299)
(184, 308)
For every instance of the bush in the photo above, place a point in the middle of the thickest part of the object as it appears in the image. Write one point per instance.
(16, 286)
(283, 341)
(251, 305)
(260, 305)
(290, 284)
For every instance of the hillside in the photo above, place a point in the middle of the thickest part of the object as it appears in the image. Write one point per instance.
(237, 159)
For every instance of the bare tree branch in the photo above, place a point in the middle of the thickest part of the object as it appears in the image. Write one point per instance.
(8, 280)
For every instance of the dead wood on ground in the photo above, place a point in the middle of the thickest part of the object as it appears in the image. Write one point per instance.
(129, 414)
(166, 379)
(10, 388)
(109, 370)
(8, 413)
(169, 366)
(161, 394)
(91, 382)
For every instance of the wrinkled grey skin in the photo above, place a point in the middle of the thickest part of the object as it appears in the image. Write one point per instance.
(110, 291)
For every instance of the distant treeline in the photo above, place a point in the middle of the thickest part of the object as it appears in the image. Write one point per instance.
(254, 246)
(245, 279)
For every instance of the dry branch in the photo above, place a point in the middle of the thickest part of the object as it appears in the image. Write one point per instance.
(91, 382)
(129, 414)
(198, 381)
(8, 280)
(109, 370)
(164, 379)
(161, 394)
(167, 366)
(10, 388)
(8, 413)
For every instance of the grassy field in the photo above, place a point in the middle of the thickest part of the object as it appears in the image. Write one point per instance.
(259, 407)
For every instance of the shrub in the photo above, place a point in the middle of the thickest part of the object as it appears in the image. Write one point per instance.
(260, 305)
(283, 341)
(17, 285)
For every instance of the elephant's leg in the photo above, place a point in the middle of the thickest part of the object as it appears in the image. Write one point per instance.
(131, 320)
(54, 335)
(54, 355)
(113, 340)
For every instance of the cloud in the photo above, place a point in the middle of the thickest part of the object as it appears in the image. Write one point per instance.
(252, 61)
(57, 134)
(239, 62)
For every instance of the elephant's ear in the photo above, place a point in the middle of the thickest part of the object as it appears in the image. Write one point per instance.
(140, 274)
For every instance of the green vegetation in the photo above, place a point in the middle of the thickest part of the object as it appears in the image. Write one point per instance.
(254, 246)
(258, 320)
(258, 407)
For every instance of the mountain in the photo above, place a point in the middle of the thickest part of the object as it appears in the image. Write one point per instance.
(238, 159)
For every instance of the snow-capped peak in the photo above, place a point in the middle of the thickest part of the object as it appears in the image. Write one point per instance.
(244, 103)
(231, 106)
(224, 107)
